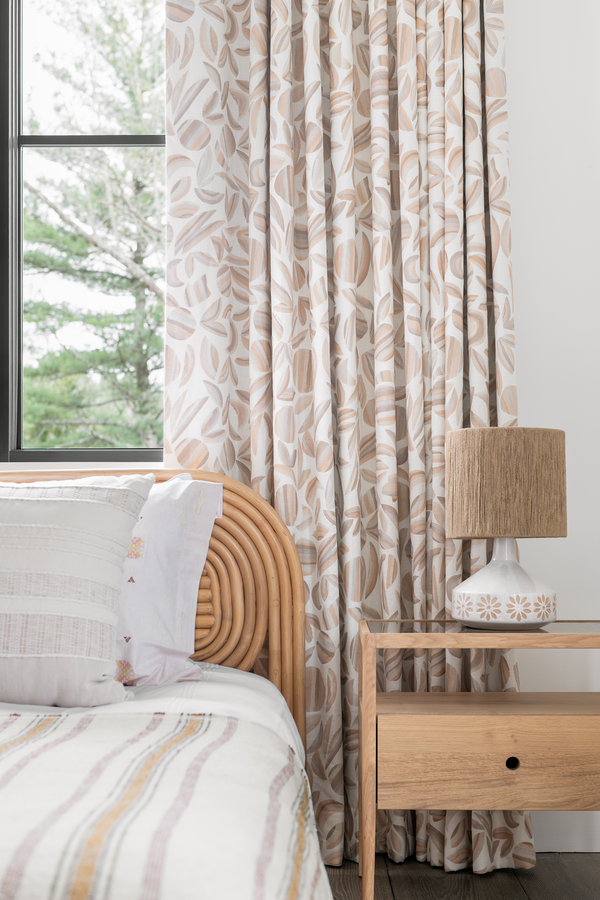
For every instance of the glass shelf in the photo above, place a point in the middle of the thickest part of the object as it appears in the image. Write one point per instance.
(441, 626)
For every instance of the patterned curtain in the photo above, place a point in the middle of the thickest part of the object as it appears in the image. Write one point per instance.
(339, 298)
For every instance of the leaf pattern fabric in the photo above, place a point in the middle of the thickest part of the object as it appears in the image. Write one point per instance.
(339, 297)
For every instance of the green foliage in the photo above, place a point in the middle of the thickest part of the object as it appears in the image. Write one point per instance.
(94, 217)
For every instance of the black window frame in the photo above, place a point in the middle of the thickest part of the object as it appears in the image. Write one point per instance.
(12, 142)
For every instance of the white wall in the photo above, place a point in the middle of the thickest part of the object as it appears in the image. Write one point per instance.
(554, 118)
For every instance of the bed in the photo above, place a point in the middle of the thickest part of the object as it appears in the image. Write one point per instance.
(188, 790)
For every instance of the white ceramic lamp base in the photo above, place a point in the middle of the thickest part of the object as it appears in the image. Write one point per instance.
(503, 595)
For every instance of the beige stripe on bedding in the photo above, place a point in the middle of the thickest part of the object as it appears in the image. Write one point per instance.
(18, 767)
(274, 809)
(153, 874)
(146, 806)
(16, 868)
(82, 884)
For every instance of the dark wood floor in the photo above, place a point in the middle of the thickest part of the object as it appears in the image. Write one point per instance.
(556, 876)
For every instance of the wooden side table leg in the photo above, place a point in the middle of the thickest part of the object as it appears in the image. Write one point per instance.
(367, 827)
(360, 781)
(368, 767)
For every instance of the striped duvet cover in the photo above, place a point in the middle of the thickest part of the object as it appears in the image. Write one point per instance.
(153, 806)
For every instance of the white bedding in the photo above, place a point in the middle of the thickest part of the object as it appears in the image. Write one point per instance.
(193, 791)
(222, 691)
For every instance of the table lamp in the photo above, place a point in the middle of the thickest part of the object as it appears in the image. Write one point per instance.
(505, 483)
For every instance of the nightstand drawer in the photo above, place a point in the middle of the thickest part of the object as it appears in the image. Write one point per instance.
(459, 761)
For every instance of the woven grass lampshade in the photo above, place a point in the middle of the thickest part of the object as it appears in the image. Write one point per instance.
(505, 483)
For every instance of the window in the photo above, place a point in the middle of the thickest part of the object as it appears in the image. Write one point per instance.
(83, 236)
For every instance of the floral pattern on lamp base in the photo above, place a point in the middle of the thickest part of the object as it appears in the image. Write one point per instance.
(498, 611)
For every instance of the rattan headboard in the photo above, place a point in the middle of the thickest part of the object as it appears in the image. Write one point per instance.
(251, 586)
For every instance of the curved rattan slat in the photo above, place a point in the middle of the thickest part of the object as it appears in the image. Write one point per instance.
(246, 523)
(285, 596)
(245, 541)
(214, 594)
(238, 551)
(221, 593)
(233, 578)
(240, 585)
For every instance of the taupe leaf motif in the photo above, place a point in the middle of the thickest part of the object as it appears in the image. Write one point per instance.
(284, 184)
(208, 40)
(183, 210)
(183, 421)
(177, 161)
(188, 366)
(188, 48)
(172, 277)
(345, 261)
(180, 189)
(194, 135)
(172, 47)
(172, 366)
(181, 106)
(339, 298)
(198, 229)
(191, 454)
(325, 648)
(209, 358)
(286, 500)
(180, 10)
(180, 324)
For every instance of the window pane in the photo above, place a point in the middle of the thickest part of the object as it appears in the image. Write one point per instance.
(93, 254)
(93, 67)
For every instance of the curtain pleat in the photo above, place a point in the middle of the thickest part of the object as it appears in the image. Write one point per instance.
(339, 297)
(259, 405)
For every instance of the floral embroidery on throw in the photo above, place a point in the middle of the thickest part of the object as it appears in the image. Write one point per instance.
(518, 608)
(543, 607)
(125, 673)
(463, 606)
(135, 548)
(488, 608)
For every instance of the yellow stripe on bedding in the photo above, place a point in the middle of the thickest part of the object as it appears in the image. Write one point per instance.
(293, 891)
(46, 722)
(83, 880)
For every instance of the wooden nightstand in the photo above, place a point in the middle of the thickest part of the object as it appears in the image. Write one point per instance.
(478, 750)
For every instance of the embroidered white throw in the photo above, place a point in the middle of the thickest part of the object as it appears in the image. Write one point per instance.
(62, 548)
(161, 576)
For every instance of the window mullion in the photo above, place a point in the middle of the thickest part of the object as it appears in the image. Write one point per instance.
(9, 224)
(92, 140)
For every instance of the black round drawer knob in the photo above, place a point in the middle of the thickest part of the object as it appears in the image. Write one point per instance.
(513, 762)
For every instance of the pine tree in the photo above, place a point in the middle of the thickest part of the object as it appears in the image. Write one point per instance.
(95, 217)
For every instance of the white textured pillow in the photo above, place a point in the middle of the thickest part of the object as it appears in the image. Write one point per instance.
(62, 547)
(161, 576)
